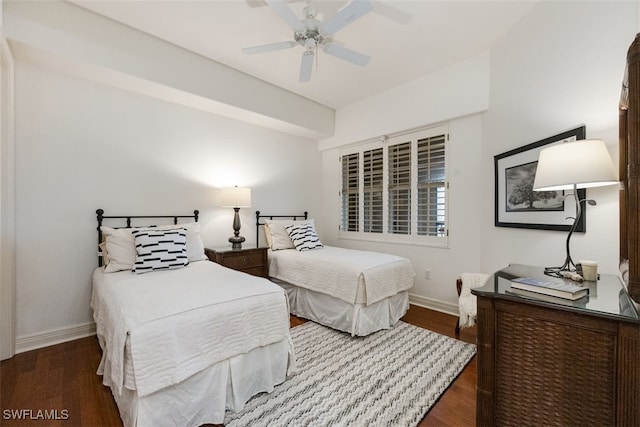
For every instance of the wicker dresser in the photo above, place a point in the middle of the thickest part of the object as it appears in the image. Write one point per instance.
(554, 362)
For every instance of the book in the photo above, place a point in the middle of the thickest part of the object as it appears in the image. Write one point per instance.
(547, 287)
(580, 302)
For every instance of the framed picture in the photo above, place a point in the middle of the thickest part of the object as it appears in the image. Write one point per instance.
(517, 205)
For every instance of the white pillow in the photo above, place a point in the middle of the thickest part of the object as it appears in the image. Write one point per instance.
(277, 235)
(160, 250)
(195, 247)
(103, 253)
(121, 251)
(304, 237)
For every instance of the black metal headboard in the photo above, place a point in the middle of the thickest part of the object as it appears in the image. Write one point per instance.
(258, 223)
(101, 216)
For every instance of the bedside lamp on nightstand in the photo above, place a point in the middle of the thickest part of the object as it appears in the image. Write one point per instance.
(236, 198)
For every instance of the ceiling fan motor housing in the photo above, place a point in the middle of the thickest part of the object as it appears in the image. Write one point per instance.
(312, 36)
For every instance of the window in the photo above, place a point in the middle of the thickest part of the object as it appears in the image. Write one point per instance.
(350, 194)
(396, 189)
(399, 187)
(431, 186)
(372, 187)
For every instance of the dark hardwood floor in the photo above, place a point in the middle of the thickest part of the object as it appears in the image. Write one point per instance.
(62, 380)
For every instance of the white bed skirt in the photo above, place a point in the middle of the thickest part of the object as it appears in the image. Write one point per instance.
(357, 319)
(204, 397)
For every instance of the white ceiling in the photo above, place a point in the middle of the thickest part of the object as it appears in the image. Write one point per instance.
(439, 33)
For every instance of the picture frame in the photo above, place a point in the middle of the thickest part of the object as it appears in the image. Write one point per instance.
(517, 205)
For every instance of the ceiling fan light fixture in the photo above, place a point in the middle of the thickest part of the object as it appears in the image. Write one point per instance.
(310, 43)
(311, 33)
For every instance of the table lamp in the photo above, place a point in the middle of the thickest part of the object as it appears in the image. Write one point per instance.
(573, 165)
(236, 198)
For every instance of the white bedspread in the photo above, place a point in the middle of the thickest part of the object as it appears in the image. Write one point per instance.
(357, 277)
(179, 322)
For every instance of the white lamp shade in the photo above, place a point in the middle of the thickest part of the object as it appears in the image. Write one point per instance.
(235, 197)
(585, 163)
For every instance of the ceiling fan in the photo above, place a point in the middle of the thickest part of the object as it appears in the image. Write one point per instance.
(313, 34)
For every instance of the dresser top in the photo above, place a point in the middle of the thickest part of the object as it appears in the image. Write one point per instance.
(607, 297)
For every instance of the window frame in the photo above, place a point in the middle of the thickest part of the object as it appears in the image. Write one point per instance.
(413, 238)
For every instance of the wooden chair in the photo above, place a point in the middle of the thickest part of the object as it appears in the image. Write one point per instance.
(459, 290)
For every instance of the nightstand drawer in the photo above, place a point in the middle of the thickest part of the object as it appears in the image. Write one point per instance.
(241, 261)
(252, 260)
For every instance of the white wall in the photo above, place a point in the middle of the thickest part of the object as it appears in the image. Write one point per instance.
(7, 202)
(453, 91)
(562, 66)
(82, 145)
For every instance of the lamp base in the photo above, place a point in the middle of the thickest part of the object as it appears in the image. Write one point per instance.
(568, 266)
(236, 242)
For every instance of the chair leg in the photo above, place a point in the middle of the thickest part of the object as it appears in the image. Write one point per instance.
(459, 290)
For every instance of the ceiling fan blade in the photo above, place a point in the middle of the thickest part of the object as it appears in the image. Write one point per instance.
(281, 8)
(306, 66)
(261, 3)
(354, 10)
(268, 47)
(256, 3)
(391, 12)
(347, 54)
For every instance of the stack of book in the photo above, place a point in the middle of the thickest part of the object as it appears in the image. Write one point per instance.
(527, 285)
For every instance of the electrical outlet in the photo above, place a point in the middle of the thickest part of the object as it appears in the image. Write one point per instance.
(427, 274)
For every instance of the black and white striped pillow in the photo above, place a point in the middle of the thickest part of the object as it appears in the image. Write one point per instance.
(160, 250)
(304, 236)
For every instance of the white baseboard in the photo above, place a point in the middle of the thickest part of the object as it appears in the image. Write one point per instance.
(437, 305)
(54, 336)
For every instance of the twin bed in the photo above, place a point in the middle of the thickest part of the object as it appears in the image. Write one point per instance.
(183, 345)
(185, 339)
(359, 292)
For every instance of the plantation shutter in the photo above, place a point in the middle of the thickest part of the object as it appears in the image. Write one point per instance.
(431, 186)
(350, 192)
(372, 188)
(395, 188)
(399, 188)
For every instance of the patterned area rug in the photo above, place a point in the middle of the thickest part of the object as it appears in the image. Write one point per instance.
(389, 378)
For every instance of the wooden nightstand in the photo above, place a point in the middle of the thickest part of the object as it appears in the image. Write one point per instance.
(248, 260)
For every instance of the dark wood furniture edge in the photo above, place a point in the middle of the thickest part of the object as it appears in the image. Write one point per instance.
(459, 291)
(210, 253)
(485, 402)
(628, 376)
(101, 216)
(629, 148)
(258, 223)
